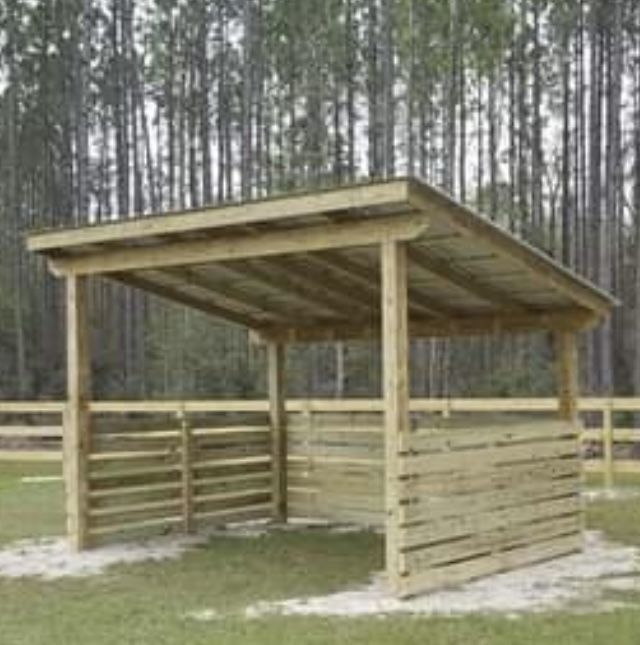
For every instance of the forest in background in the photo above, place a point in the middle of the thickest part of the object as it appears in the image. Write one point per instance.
(527, 110)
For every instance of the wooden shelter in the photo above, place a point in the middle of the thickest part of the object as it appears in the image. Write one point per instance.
(387, 260)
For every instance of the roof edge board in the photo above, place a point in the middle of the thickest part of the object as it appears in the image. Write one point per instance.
(436, 203)
(363, 232)
(571, 319)
(227, 215)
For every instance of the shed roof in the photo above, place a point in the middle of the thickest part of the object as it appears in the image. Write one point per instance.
(306, 266)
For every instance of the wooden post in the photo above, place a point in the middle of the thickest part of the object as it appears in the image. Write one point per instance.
(607, 444)
(278, 419)
(187, 474)
(395, 342)
(77, 415)
(566, 349)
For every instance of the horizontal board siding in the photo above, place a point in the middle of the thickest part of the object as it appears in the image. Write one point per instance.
(477, 499)
(138, 483)
(336, 465)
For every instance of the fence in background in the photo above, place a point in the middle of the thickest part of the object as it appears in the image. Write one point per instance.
(609, 438)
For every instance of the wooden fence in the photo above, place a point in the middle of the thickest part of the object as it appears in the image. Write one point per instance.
(40, 422)
(177, 471)
(484, 493)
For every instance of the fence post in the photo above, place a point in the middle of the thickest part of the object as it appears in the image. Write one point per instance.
(187, 474)
(607, 443)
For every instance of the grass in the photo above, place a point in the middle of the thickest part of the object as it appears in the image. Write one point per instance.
(147, 603)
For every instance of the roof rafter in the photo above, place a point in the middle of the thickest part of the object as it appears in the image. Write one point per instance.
(174, 295)
(230, 293)
(462, 279)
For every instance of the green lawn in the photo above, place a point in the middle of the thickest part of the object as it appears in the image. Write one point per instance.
(146, 603)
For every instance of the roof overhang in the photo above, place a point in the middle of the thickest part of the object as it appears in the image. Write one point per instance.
(306, 267)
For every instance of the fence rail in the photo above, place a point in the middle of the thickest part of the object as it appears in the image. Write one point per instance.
(602, 432)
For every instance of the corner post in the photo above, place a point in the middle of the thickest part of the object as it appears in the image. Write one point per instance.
(278, 422)
(566, 350)
(395, 353)
(77, 415)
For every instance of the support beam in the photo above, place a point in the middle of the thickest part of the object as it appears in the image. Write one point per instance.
(566, 350)
(278, 418)
(395, 345)
(77, 416)
(242, 246)
(570, 320)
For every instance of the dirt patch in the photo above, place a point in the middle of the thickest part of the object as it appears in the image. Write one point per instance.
(578, 582)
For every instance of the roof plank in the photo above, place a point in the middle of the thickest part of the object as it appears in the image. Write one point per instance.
(261, 211)
(234, 247)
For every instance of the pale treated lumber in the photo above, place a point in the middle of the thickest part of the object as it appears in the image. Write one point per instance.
(519, 404)
(31, 432)
(237, 247)
(478, 458)
(76, 446)
(125, 509)
(457, 217)
(31, 455)
(278, 419)
(256, 305)
(280, 279)
(463, 279)
(607, 446)
(494, 563)
(234, 514)
(32, 407)
(566, 349)
(239, 461)
(366, 289)
(142, 489)
(303, 266)
(489, 479)
(207, 306)
(471, 325)
(257, 212)
(230, 431)
(479, 544)
(395, 361)
(207, 498)
(474, 503)
(440, 529)
(125, 407)
(128, 473)
(186, 454)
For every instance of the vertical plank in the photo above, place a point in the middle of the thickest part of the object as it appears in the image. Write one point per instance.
(395, 340)
(278, 420)
(187, 472)
(566, 354)
(77, 416)
(566, 349)
(607, 443)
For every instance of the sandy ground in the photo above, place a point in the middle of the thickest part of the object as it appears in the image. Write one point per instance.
(51, 558)
(578, 582)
